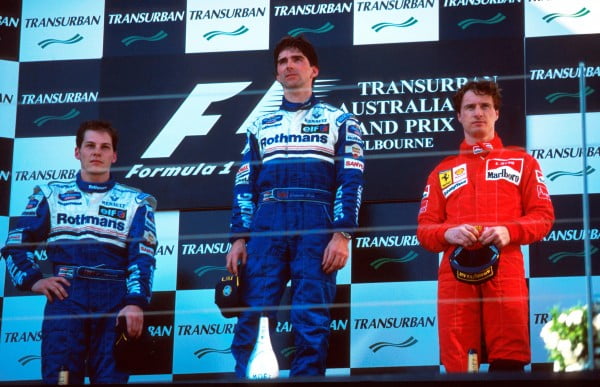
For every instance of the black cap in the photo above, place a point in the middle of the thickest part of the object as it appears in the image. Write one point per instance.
(227, 295)
(475, 266)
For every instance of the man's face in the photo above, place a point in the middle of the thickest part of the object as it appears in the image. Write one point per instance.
(96, 156)
(478, 117)
(294, 71)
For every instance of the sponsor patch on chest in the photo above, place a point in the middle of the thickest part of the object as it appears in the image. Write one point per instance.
(452, 179)
(510, 170)
(314, 128)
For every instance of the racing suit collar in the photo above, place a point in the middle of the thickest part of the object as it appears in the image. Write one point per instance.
(94, 187)
(295, 106)
(481, 148)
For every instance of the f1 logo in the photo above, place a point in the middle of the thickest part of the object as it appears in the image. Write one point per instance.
(189, 120)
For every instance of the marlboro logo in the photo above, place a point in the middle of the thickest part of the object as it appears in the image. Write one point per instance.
(504, 169)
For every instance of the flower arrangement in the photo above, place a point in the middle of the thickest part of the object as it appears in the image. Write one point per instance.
(565, 336)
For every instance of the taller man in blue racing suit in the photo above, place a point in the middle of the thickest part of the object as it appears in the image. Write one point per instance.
(100, 237)
(296, 200)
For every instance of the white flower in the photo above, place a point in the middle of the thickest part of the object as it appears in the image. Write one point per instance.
(564, 347)
(596, 322)
(578, 350)
(552, 340)
(574, 367)
(546, 330)
(562, 318)
(575, 317)
(556, 366)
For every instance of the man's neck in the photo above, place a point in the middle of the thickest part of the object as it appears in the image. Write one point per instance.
(297, 96)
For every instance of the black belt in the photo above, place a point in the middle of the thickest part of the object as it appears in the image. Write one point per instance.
(296, 194)
(91, 273)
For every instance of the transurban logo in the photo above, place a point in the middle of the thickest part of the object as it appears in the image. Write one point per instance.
(48, 174)
(200, 271)
(206, 351)
(56, 98)
(146, 17)
(303, 30)
(224, 13)
(565, 153)
(557, 174)
(553, 16)
(390, 5)
(83, 220)
(464, 24)
(160, 35)
(4, 175)
(571, 235)
(379, 262)
(385, 344)
(22, 337)
(205, 329)
(62, 21)
(312, 9)
(6, 98)
(393, 322)
(293, 138)
(554, 258)
(563, 73)
(553, 97)
(386, 241)
(7, 21)
(67, 116)
(464, 3)
(205, 248)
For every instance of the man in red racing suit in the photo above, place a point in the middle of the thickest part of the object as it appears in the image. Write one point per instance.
(487, 194)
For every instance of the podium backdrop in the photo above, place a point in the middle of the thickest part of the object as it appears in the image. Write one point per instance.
(182, 79)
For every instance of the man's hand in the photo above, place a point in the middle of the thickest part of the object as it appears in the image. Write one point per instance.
(134, 317)
(464, 235)
(52, 287)
(497, 235)
(236, 256)
(336, 253)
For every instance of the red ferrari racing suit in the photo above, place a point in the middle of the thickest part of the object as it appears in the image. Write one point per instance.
(486, 185)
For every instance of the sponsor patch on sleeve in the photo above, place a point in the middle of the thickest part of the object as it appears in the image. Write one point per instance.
(540, 177)
(426, 192)
(146, 250)
(542, 192)
(243, 174)
(423, 208)
(354, 164)
(14, 238)
(354, 149)
(452, 179)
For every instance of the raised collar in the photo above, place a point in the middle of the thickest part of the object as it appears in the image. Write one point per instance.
(295, 106)
(481, 148)
(94, 187)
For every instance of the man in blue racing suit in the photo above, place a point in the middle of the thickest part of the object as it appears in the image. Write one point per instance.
(296, 200)
(100, 237)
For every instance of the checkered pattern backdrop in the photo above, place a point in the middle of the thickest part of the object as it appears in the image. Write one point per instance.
(181, 80)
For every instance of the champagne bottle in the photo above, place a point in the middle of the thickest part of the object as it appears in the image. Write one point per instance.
(472, 361)
(263, 362)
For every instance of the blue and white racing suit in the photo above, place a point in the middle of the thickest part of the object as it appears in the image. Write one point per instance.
(102, 238)
(301, 179)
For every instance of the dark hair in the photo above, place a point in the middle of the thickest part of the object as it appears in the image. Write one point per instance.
(300, 43)
(484, 87)
(100, 126)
